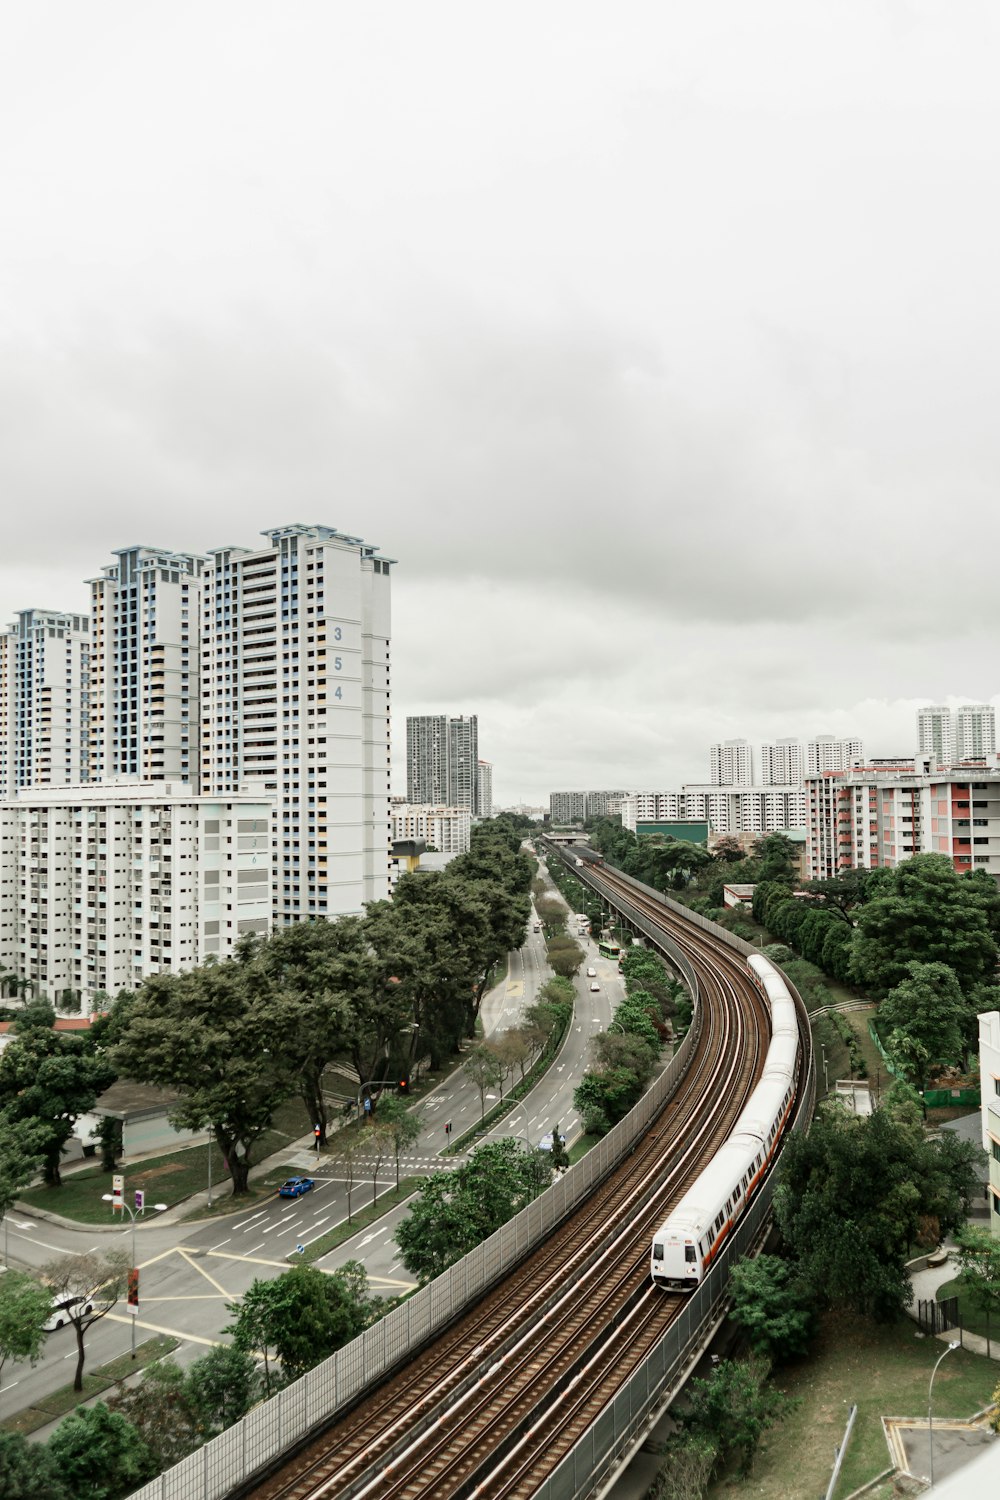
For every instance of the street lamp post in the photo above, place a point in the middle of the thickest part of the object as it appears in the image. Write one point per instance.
(516, 1104)
(930, 1411)
(612, 1024)
(133, 1214)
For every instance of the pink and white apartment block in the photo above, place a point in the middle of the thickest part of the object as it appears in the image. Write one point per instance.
(870, 817)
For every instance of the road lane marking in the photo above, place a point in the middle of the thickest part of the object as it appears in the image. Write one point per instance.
(276, 1225)
(229, 1255)
(172, 1333)
(253, 1248)
(222, 1242)
(202, 1272)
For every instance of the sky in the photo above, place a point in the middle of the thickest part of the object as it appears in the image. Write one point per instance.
(657, 342)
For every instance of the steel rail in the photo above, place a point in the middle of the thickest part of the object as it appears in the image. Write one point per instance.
(415, 1425)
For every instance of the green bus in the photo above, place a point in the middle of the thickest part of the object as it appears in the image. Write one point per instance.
(609, 950)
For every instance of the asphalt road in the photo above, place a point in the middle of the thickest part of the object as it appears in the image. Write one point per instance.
(189, 1272)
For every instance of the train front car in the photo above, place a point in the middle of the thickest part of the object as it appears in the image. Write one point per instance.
(687, 1243)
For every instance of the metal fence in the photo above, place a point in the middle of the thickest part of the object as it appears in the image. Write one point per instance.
(938, 1317)
(310, 1403)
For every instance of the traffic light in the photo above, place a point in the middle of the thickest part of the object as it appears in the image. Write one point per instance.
(403, 1086)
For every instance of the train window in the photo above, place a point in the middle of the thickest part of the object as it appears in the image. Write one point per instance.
(729, 1205)
(689, 1255)
(657, 1250)
(737, 1190)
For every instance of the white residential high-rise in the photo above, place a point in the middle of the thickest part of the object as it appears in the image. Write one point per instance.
(975, 731)
(485, 785)
(826, 753)
(731, 763)
(781, 763)
(295, 703)
(145, 657)
(934, 733)
(44, 667)
(101, 886)
(447, 830)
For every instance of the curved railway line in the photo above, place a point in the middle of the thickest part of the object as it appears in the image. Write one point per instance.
(494, 1403)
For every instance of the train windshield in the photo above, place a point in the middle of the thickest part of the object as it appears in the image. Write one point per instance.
(689, 1255)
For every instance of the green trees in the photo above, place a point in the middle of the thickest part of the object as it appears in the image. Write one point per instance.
(24, 1306)
(94, 1282)
(222, 1386)
(99, 1454)
(625, 1055)
(213, 1033)
(979, 1258)
(923, 1019)
(855, 1193)
(161, 1411)
(773, 1305)
(47, 1080)
(454, 1211)
(924, 913)
(28, 1471)
(734, 1408)
(302, 1317)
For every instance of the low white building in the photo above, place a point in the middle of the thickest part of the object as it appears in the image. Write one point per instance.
(989, 1086)
(446, 829)
(106, 883)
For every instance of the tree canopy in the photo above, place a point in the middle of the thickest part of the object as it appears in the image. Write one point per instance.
(923, 1020)
(923, 911)
(454, 1211)
(855, 1193)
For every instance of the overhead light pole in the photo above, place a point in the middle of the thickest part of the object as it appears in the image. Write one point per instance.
(930, 1413)
(133, 1214)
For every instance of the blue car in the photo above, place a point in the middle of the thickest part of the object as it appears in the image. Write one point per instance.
(295, 1187)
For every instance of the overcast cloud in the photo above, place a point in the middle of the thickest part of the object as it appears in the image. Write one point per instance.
(659, 344)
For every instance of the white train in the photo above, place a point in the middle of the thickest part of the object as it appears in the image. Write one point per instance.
(688, 1242)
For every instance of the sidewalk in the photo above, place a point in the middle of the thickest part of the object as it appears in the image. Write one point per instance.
(925, 1281)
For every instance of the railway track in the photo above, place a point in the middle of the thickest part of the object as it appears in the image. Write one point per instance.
(496, 1401)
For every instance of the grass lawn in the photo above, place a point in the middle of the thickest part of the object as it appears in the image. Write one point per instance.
(101, 1378)
(885, 1372)
(970, 1313)
(582, 1146)
(169, 1178)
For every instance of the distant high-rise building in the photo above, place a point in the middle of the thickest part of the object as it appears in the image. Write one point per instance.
(827, 753)
(463, 762)
(781, 763)
(975, 731)
(442, 760)
(567, 807)
(485, 807)
(44, 703)
(427, 760)
(731, 763)
(934, 733)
